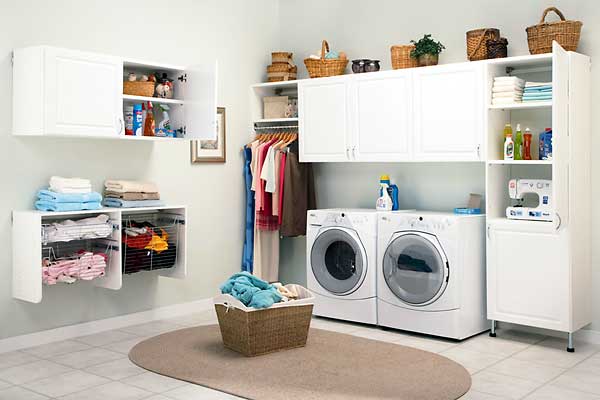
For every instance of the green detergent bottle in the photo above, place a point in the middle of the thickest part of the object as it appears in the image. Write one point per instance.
(519, 144)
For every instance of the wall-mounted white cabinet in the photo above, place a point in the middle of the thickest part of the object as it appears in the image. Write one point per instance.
(33, 247)
(62, 92)
(448, 113)
(421, 114)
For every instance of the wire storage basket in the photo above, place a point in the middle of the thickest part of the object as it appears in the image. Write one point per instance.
(76, 260)
(150, 241)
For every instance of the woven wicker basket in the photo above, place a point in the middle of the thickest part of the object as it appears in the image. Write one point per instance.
(281, 72)
(325, 67)
(281, 57)
(401, 57)
(497, 48)
(136, 88)
(254, 332)
(565, 32)
(476, 39)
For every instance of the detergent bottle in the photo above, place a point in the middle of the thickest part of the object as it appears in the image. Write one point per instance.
(392, 190)
(384, 202)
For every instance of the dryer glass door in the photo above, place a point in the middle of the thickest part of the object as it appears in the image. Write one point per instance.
(338, 261)
(415, 269)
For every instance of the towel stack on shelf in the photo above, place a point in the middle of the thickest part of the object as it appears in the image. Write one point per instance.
(84, 265)
(537, 91)
(131, 194)
(507, 90)
(68, 194)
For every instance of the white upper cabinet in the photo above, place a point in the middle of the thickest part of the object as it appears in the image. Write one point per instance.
(448, 112)
(62, 92)
(82, 93)
(382, 117)
(322, 108)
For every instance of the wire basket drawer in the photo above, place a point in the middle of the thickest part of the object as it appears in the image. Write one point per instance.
(150, 241)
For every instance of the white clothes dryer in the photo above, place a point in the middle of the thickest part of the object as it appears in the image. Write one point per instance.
(431, 273)
(341, 258)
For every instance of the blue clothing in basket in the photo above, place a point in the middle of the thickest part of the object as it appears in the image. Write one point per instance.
(251, 291)
(248, 253)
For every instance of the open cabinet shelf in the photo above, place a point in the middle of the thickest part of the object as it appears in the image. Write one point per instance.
(142, 99)
(522, 105)
(32, 244)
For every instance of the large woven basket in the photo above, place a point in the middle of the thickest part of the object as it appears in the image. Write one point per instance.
(136, 88)
(565, 32)
(476, 42)
(325, 67)
(253, 332)
(401, 56)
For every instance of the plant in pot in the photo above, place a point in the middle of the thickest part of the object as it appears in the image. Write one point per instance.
(426, 51)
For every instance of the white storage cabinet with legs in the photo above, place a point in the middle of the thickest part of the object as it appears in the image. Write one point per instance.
(539, 273)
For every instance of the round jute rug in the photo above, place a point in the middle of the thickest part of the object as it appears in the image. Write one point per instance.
(332, 366)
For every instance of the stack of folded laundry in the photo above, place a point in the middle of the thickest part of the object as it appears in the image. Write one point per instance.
(537, 91)
(68, 194)
(131, 194)
(507, 90)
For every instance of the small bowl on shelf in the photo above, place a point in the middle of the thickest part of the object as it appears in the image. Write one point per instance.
(372, 66)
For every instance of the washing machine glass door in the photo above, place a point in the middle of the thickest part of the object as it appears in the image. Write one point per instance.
(415, 268)
(338, 260)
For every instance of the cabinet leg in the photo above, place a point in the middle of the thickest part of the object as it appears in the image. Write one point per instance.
(570, 347)
(493, 329)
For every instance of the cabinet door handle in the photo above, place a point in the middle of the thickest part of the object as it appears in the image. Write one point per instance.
(479, 151)
(559, 221)
(120, 125)
(347, 152)
(354, 152)
(488, 232)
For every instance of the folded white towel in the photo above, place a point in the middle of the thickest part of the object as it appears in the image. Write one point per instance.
(122, 186)
(504, 89)
(509, 79)
(507, 94)
(70, 185)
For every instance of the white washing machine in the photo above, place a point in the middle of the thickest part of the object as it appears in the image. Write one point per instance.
(431, 273)
(341, 249)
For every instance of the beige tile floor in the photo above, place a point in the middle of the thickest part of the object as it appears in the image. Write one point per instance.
(514, 365)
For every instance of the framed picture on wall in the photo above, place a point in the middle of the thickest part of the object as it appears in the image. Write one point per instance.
(211, 150)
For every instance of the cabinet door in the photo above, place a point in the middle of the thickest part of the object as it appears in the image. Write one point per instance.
(449, 110)
(83, 93)
(528, 277)
(200, 96)
(382, 117)
(323, 120)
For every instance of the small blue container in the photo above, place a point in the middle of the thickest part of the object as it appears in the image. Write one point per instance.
(468, 211)
(137, 120)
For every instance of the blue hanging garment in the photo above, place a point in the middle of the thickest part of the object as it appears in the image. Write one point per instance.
(248, 253)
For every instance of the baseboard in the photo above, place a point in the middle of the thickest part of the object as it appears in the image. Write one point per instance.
(89, 328)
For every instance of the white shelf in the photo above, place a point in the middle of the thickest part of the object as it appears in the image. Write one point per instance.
(150, 138)
(523, 105)
(272, 85)
(519, 162)
(141, 99)
(271, 120)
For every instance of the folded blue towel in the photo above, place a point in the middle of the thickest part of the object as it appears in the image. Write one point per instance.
(45, 205)
(538, 97)
(49, 195)
(539, 87)
(251, 291)
(120, 203)
(536, 90)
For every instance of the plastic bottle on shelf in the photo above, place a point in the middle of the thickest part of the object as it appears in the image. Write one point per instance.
(527, 144)
(384, 202)
(149, 124)
(137, 120)
(518, 152)
(509, 146)
(392, 191)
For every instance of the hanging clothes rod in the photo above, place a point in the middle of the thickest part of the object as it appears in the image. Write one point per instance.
(275, 127)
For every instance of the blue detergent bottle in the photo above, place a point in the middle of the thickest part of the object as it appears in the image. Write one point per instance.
(392, 191)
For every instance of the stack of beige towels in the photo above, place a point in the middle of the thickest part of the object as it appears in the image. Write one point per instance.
(507, 90)
(131, 194)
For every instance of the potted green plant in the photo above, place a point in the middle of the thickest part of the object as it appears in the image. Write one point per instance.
(426, 51)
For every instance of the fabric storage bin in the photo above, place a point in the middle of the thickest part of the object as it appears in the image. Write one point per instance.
(274, 106)
(254, 332)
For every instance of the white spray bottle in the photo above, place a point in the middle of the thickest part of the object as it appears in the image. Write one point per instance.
(384, 203)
